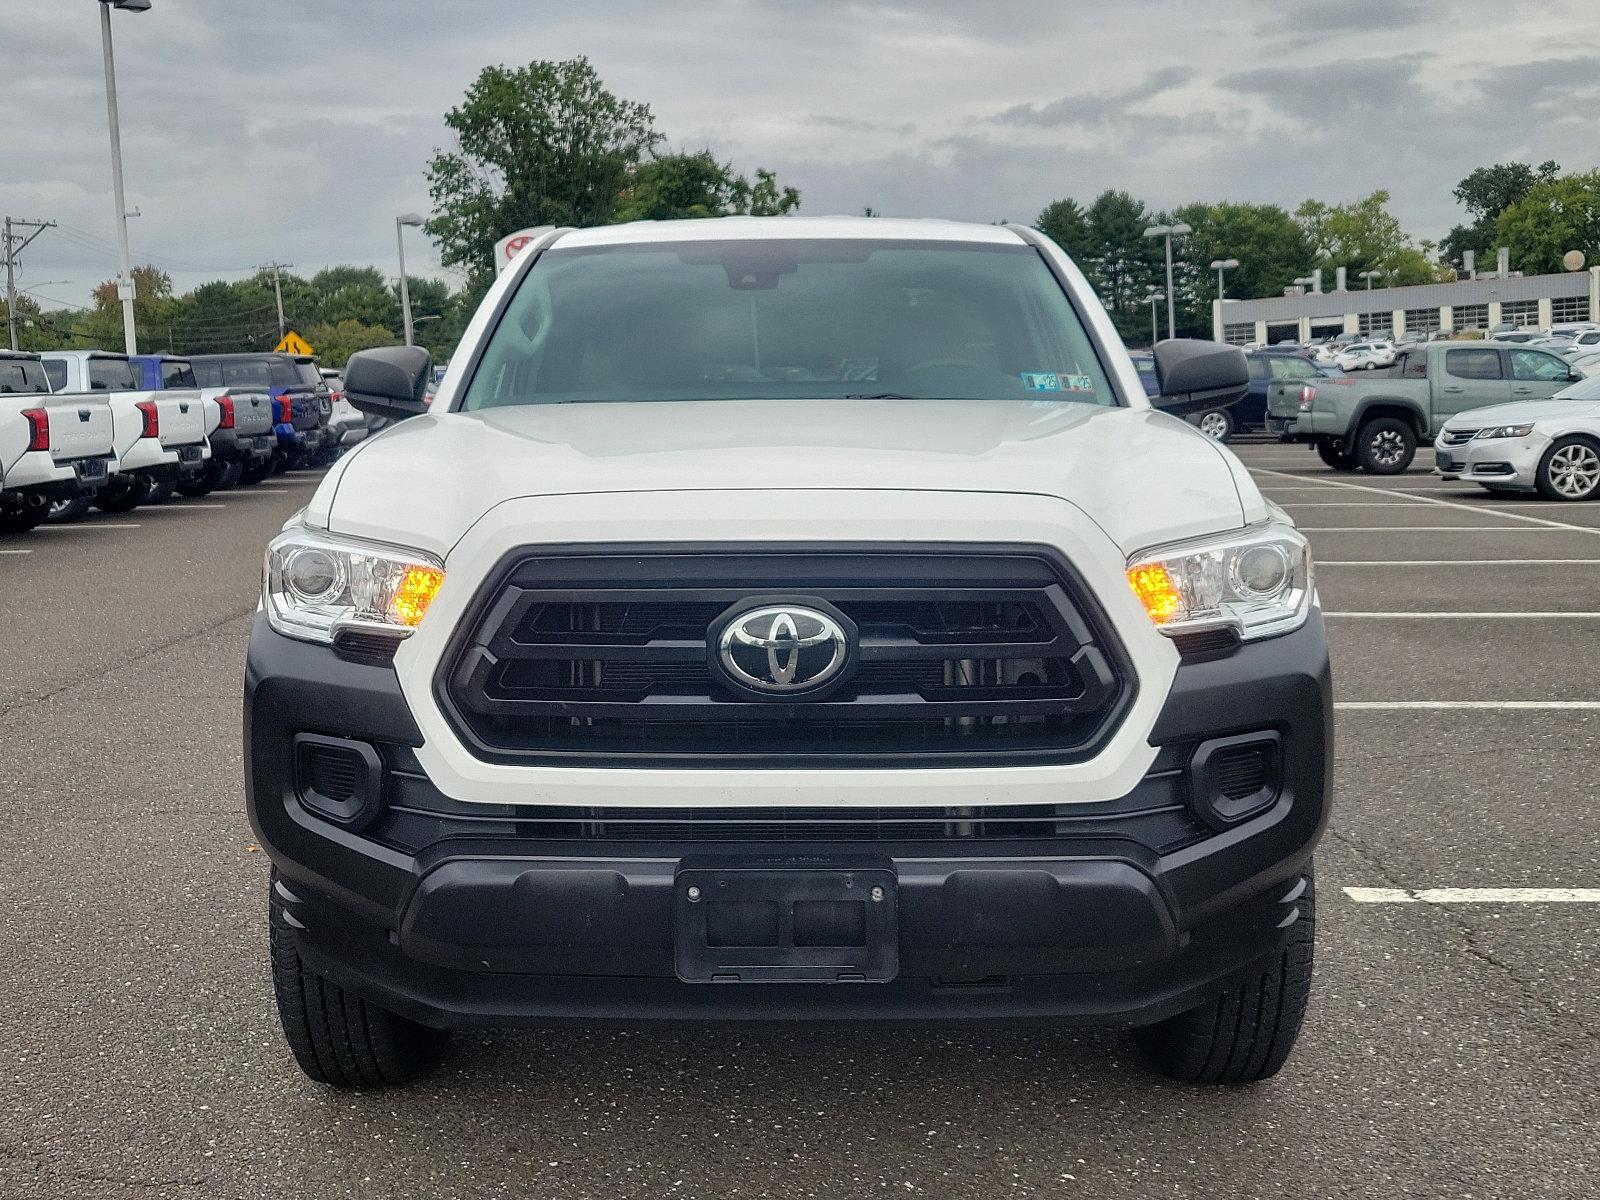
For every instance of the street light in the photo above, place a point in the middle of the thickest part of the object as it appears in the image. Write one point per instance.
(124, 260)
(1219, 265)
(400, 223)
(1155, 297)
(1168, 232)
(1369, 276)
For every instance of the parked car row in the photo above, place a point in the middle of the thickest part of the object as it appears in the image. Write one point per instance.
(1534, 405)
(1272, 369)
(83, 429)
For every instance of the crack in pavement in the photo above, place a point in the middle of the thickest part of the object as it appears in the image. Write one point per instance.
(1469, 932)
(36, 699)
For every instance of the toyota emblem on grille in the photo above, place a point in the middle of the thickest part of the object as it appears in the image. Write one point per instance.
(783, 649)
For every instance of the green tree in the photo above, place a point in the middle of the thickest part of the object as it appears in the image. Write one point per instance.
(544, 144)
(335, 342)
(1270, 245)
(1066, 224)
(221, 317)
(1555, 216)
(1122, 263)
(1364, 236)
(763, 198)
(1485, 194)
(345, 293)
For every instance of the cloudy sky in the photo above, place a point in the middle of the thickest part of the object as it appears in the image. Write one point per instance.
(297, 129)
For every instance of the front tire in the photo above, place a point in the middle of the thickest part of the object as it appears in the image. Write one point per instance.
(1244, 1035)
(1216, 424)
(1569, 470)
(337, 1037)
(1386, 446)
(20, 520)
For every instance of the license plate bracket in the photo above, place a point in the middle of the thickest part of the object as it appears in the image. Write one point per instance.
(764, 923)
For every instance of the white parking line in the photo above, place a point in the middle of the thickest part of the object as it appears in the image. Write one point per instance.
(1466, 705)
(1351, 503)
(90, 525)
(16, 551)
(185, 506)
(1432, 529)
(1457, 562)
(1466, 616)
(1472, 508)
(1375, 895)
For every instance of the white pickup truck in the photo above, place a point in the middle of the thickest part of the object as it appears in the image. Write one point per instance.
(790, 618)
(53, 449)
(160, 436)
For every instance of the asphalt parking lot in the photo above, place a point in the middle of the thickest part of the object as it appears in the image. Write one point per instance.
(1451, 1048)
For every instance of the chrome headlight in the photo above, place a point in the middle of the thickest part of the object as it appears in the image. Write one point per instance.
(1505, 431)
(316, 586)
(1257, 582)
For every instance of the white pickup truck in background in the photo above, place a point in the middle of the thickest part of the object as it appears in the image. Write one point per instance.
(53, 449)
(160, 436)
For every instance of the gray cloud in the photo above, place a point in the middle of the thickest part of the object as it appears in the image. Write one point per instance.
(296, 130)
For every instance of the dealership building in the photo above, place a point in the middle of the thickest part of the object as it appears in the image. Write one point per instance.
(1485, 303)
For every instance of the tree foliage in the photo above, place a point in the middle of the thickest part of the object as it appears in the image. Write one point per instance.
(1486, 193)
(1364, 236)
(671, 187)
(1553, 217)
(544, 144)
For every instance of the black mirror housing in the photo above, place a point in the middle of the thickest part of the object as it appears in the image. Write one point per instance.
(389, 381)
(1195, 375)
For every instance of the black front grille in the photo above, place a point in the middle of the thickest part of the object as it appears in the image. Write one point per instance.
(603, 657)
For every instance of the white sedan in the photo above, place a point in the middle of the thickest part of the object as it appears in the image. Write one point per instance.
(1365, 356)
(1549, 446)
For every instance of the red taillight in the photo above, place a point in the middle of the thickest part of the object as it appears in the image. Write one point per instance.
(280, 409)
(225, 403)
(1307, 394)
(152, 420)
(38, 428)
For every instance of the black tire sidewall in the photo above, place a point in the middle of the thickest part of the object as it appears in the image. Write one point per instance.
(1370, 431)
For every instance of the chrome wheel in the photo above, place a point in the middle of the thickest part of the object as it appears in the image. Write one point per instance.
(1215, 425)
(1388, 448)
(1574, 471)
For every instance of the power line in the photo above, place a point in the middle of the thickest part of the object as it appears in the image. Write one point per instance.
(15, 244)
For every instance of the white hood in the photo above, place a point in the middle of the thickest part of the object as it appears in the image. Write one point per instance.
(1520, 412)
(1135, 472)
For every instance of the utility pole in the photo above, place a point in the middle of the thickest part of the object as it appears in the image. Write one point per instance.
(124, 260)
(14, 245)
(277, 291)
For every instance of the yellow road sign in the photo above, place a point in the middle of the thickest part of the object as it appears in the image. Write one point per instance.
(293, 343)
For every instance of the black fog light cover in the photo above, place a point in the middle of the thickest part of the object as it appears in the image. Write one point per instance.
(341, 781)
(1232, 779)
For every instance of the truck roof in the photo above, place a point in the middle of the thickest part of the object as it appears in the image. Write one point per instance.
(717, 229)
(82, 354)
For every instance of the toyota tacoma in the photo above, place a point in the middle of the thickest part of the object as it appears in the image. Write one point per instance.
(789, 619)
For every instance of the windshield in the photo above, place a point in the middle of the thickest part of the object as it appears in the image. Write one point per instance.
(1585, 389)
(24, 375)
(788, 319)
(177, 374)
(112, 375)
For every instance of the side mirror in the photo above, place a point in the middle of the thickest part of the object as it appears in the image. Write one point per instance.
(1194, 375)
(1576, 376)
(390, 381)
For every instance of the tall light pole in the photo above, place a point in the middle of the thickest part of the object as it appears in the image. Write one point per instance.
(1155, 297)
(1369, 276)
(1219, 265)
(400, 223)
(1167, 233)
(124, 260)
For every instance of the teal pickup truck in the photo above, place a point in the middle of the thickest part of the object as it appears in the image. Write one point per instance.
(1375, 422)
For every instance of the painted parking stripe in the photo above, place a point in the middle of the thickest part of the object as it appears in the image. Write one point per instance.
(1457, 562)
(87, 526)
(1436, 528)
(16, 551)
(1351, 503)
(1467, 705)
(1543, 522)
(1376, 895)
(1517, 614)
(185, 506)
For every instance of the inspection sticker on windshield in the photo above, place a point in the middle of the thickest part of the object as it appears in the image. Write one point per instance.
(1041, 381)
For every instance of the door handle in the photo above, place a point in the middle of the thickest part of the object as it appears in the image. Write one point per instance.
(1522, 391)
(1455, 389)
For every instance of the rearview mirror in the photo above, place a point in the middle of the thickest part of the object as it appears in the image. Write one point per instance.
(390, 381)
(1193, 375)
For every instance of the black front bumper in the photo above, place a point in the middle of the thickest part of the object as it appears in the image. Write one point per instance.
(1126, 911)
